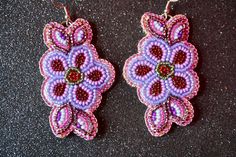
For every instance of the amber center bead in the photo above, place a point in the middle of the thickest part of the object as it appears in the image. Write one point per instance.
(165, 70)
(73, 76)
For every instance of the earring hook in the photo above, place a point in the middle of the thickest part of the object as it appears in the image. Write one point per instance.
(60, 5)
(167, 8)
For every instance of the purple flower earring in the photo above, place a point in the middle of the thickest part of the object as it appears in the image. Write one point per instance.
(162, 71)
(75, 77)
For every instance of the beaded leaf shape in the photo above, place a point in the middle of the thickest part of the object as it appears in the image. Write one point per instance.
(75, 78)
(162, 71)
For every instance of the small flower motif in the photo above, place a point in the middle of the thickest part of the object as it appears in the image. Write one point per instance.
(74, 76)
(163, 68)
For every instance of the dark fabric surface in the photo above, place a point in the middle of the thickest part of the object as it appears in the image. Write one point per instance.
(25, 129)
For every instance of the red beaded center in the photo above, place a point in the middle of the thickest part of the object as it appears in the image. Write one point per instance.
(79, 60)
(180, 57)
(156, 51)
(142, 70)
(74, 76)
(156, 89)
(179, 82)
(57, 65)
(95, 75)
(59, 89)
(81, 94)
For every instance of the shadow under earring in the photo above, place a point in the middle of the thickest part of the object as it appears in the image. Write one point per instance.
(162, 71)
(75, 77)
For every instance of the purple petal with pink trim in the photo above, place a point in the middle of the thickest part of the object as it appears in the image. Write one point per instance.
(55, 37)
(137, 70)
(154, 24)
(86, 125)
(181, 111)
(178, 29)
(80, 32)
(53, 64)
(61, 120)
(157, 120)
(183, 56)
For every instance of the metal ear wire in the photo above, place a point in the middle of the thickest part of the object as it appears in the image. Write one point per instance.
(167, 8)
(60, 5)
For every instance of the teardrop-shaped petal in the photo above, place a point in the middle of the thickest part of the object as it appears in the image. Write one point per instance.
(100, 76)
(86, 125)
(82, 56)
(84, 98)
(181, 111)
(154, 49)
(184, 85)
(55, 91)
(157, 120)
(61, 120)
(178, 29)
(80, 32)
(53, 64)
(55, 37)
(137, 70)
(154, 24)
(153, 92)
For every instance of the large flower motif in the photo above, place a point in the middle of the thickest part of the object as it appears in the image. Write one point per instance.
(74, 76)
(163, 68)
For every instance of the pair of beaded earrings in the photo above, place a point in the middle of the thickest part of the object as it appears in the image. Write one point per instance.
(162, 72)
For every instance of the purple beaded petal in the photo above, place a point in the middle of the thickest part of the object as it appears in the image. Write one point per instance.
(55, 91)
(53, 64)
(84, 98)
(154, 49)
(137, 70)
(82, 57)
(183, 84)
(153, 92)
(183, 56)
(86, 125)
(100, 75)
(61, 120)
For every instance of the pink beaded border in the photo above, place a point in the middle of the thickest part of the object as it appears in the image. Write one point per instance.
(71, 41)
(167, 31)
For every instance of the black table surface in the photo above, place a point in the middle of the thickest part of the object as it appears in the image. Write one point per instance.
(24, 126)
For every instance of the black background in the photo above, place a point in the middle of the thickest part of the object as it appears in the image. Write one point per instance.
(24, 126)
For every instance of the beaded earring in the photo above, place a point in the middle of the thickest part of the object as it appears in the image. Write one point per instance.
(162, 71)
(75, 77)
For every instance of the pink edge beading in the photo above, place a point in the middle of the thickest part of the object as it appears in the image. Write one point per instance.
(177, 20)
(73, 114)
(90, 122)
(163, 126)
(67, 127)
(82, 25)
(166, 117)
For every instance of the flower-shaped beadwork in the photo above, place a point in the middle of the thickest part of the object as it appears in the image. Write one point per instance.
(163, 68)
(75, 78)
